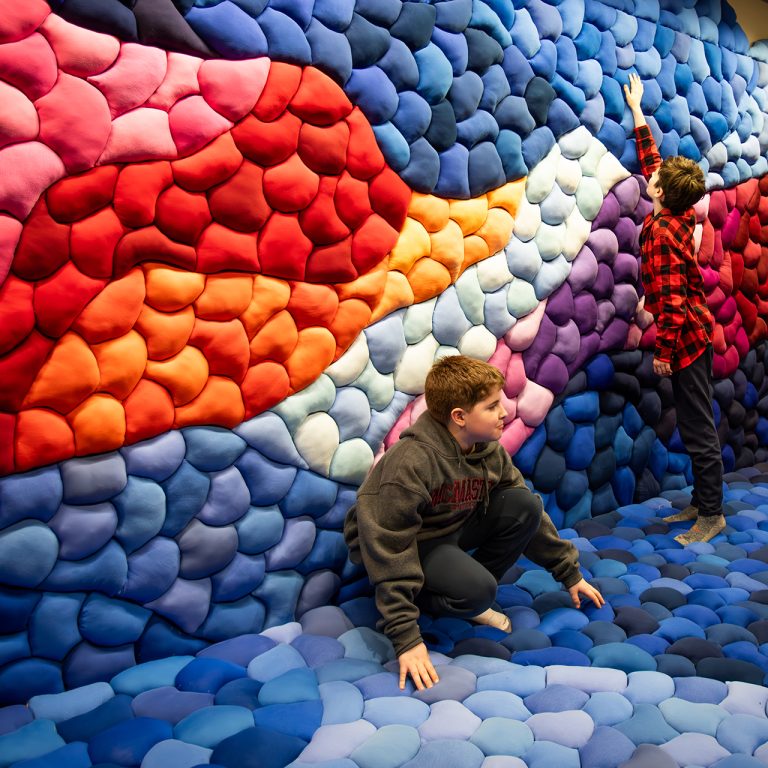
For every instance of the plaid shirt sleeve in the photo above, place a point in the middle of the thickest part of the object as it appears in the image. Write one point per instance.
(669, 269)
(647, 154)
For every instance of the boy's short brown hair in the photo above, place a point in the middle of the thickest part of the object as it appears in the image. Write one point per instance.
(458, 381)
(682, 182)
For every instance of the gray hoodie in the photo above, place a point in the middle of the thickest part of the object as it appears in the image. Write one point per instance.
(423, 488)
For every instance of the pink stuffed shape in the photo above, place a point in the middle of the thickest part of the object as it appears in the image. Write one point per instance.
(633, 337)
(727, 311)
(521, 335)
(514, 376)
(702, 208)
(133, 78)
(20, 121)
(731, 227)
(79, 52)
(180, 80)
(141, 134)
(500, 358)
(741, 342)
(718, 209)
(194, 124)
(29, 65)
(26, 170)
(20, 20)
(724, 365)
(533, 403)
(232, 88)
(514, 435)
(10, 232)
(79, 135)
(711, 279)
(410, 413)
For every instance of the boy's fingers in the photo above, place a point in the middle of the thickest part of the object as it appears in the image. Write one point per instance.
(425, 677)
(416, 677)
(597, 598)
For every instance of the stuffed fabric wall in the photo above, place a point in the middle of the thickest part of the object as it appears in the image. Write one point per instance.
(235, 235)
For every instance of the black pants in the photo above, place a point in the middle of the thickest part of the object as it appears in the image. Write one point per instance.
(459, 584)
(692, 388)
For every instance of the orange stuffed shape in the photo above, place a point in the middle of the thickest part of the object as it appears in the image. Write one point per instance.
(165, 333)
(68, 376)
(98, 425)
(121, 364)
(184, 375)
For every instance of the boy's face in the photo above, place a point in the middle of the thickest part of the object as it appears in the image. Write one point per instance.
(484, 422)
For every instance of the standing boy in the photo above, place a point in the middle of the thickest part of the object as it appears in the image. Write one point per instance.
(448, 486)
(674, 295)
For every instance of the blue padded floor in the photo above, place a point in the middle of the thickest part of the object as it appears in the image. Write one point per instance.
(671, 672)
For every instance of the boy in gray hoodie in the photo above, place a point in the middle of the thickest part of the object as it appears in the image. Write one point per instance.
(448, 486)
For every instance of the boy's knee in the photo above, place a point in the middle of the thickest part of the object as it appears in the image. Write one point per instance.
(530, 510)
(481, 593)
(523, 507)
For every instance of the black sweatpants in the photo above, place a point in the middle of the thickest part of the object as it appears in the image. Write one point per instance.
(459, 584)
(692, 389)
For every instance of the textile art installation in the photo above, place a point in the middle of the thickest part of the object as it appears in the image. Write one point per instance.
(234, 236)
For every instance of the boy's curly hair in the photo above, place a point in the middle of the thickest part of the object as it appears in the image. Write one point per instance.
(458, 381)
(682, 182)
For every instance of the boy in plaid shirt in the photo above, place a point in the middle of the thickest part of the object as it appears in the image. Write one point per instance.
(674, 295)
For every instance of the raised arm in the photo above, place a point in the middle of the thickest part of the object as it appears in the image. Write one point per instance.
(634, 94)
(647, 153)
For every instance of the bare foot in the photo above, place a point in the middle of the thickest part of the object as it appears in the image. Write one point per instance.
(491, 618)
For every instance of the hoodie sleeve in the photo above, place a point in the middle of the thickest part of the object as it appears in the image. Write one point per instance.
(511, 477)
(559, 557)
(389, 521)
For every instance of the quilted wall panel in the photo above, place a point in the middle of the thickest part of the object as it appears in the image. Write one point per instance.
(235, 235)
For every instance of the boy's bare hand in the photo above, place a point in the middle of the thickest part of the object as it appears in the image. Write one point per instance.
(416, 663)
(661, 368)
(587, 590)
(634, 93)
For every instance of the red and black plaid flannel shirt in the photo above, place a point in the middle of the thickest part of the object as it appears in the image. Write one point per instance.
(674, 289)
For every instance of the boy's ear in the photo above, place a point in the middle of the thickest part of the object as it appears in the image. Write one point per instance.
(458, 416)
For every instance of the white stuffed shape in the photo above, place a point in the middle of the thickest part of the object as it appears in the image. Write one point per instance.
(351, 364)
(413, 368)
(351, 462)
(317, 439)
(471, 296)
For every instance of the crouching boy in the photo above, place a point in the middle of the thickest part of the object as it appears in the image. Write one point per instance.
(445, 488)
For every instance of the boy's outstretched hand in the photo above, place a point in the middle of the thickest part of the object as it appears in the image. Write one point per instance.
(416, 663)
(634, 92)
(587, 590)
